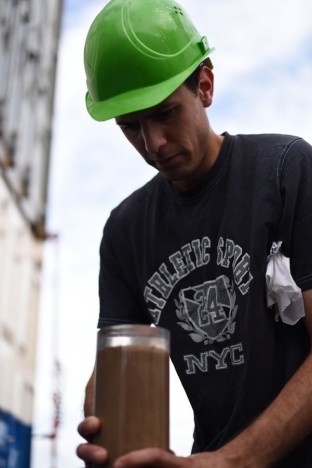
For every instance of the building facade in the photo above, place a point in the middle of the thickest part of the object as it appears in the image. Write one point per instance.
(29, 35)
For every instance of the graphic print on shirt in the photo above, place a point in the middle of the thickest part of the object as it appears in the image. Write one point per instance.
(207, 311)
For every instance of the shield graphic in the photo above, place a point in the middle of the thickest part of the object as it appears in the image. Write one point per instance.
(208, 306)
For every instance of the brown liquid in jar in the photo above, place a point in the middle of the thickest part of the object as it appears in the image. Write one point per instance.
(132, 399)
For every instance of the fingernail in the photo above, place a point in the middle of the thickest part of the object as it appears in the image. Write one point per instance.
(119, 464)
(100, 454)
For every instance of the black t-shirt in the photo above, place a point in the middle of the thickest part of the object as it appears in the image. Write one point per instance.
(194, 262)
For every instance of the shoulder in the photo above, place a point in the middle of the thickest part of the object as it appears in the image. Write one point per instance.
(275, 148)
(268, 141)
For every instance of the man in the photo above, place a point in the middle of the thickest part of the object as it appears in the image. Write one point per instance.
(196, 250)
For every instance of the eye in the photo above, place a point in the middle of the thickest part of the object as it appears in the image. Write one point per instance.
(165, 114)
(128, 126)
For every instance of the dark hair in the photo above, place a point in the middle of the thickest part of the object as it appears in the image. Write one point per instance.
(192, 81)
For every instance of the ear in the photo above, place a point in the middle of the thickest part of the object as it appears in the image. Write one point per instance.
(205, 86)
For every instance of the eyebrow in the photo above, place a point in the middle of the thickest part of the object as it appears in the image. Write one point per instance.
(122, 120)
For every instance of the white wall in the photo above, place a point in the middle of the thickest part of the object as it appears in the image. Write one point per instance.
(20, 260)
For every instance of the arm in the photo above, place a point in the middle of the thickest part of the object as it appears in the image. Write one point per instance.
(285, 423)
(280, 428)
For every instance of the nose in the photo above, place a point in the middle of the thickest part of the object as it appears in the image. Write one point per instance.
(153, 137)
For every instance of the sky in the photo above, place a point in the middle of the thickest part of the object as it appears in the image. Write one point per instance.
(263, 75)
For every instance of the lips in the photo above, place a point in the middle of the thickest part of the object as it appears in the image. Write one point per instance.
(160, 162)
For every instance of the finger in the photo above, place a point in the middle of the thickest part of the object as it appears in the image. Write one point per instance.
(88, 427)
(151, 457)
(91, 453)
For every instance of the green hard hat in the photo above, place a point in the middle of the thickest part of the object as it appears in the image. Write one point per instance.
(137, 53)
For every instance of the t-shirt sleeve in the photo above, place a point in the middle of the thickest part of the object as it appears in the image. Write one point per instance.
(119, 293)
(295, 230)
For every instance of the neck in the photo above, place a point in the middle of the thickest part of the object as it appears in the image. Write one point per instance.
(213, 149)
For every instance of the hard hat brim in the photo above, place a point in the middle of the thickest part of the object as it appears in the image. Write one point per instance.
(138, 99)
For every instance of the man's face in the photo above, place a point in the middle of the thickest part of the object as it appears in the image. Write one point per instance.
(173, 136)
